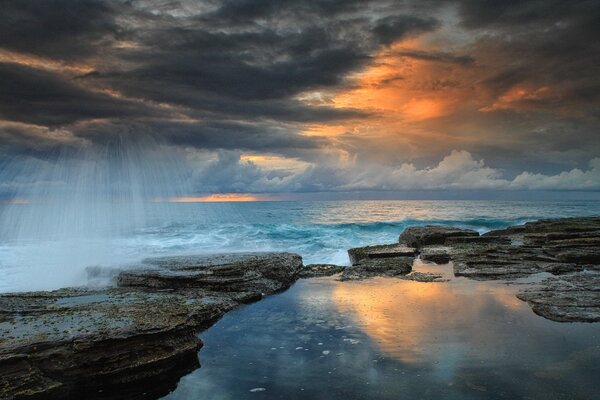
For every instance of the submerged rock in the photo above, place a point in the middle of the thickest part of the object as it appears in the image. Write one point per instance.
(316, 270)
(129, 342)
(424, 277)
(419, 236)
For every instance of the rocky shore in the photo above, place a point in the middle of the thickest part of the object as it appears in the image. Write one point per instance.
(131, 341)
(567, 250)
(136, 339)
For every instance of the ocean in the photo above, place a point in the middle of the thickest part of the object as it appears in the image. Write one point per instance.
(320, 231)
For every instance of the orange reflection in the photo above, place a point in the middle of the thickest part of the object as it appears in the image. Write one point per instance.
(405, 318)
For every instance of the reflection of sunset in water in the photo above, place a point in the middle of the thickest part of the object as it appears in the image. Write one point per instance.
(407, 319)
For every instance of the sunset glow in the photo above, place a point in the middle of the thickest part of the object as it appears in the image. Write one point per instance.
(216, 198)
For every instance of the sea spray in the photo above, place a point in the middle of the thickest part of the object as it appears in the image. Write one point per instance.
(69, 208)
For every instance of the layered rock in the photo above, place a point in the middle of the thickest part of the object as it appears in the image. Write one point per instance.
(268, 273)
(567, 248)
(367, 268)
(132, 341)
(571, 298)
(359, 254)
(419, 236)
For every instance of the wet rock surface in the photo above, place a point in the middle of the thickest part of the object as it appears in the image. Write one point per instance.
(132, 341)
(424, 277)
(570, 298)
(316, 270)
(137, 339)
(436, 254)
(368, 268)
(263, 273)
(419, 236)
(360, 254)
(567, 248)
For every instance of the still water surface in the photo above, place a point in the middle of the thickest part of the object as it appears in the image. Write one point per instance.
(387, 338)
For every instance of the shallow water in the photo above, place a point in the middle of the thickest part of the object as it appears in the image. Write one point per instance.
(387, 338)
(320, 231)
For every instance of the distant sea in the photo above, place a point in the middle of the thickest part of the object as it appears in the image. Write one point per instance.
(320, 231)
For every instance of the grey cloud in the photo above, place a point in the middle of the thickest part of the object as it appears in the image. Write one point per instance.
(57, 28)
(226, 75)
(392, 28)
(438, 56)
(40, 97)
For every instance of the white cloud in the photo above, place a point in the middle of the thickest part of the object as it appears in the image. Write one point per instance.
(457, 171)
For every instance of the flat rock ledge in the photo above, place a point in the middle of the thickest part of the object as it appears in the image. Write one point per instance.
(132, 341)
(569, 298)
(567, 248)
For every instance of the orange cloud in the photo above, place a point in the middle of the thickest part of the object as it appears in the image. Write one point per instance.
(404, 96)
(516, 96)
(30, 60)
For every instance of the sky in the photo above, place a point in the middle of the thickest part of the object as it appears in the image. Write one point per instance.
(276, 99)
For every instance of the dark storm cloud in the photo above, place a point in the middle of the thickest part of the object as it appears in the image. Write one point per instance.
(438, 56)
(539, 42)
(57, 28)
(209, 135)
(523, 14)
(39, 97)
(233, 75)
(240, 12)
(389, 29)
(232, 63)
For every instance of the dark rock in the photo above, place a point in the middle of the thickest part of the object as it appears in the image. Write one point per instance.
(316, 270)
(477, 240)
(555, 246)
(127, 342)
(589, 255)
(369, 268)
(511, 230)
(495, 262)
(569, 248)
(436, 254)
(381, 251)
(259, 272)
(569, 298)
(562, 268)
(560, 226)
(419, 236)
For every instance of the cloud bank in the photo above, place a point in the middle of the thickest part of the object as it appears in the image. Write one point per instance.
(306, 96)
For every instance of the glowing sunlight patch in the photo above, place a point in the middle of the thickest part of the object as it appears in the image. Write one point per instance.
(215, 198)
